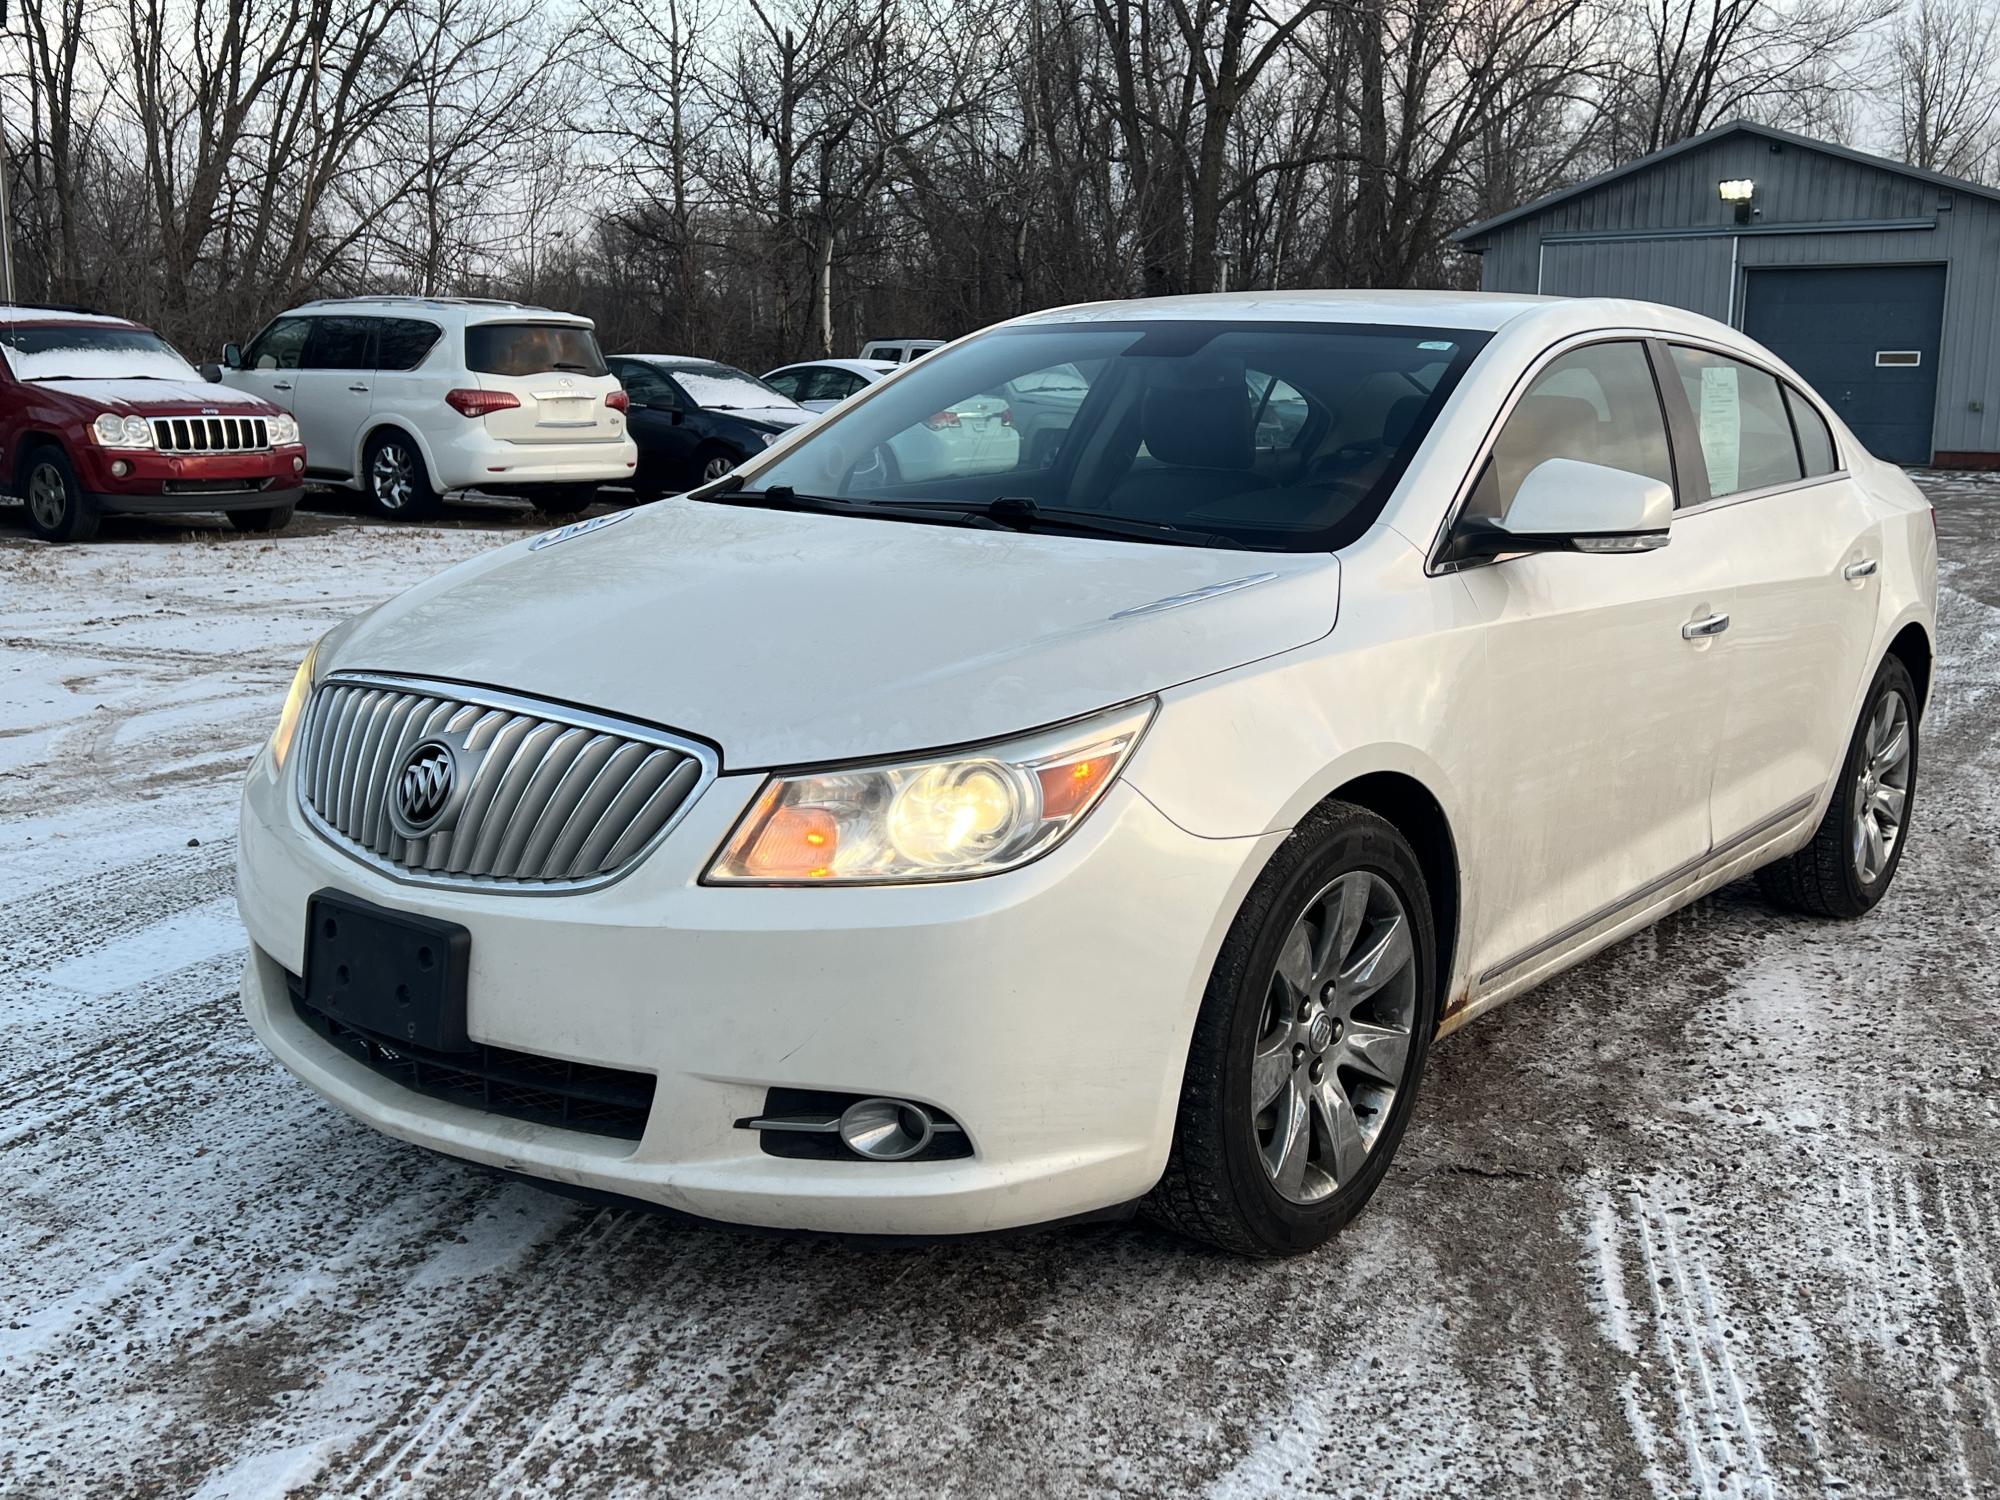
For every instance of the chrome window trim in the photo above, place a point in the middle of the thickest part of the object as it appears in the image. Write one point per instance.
(1435, 566)
(1763, 492)
(707, 757)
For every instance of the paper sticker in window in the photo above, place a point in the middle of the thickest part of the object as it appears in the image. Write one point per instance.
(1720, 421)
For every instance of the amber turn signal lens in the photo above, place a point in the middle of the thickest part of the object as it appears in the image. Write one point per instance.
(795, 843)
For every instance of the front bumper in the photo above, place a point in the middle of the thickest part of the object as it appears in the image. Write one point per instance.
(1047, 1010)
(259, 480)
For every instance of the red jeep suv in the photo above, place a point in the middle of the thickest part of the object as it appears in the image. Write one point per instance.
(98, 414)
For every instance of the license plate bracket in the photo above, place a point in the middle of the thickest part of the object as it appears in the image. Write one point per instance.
(393, 973)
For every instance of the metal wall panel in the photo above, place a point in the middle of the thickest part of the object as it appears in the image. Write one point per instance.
(1795, 186)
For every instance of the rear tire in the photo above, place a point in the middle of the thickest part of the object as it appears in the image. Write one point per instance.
(563, 499)
(58, 509)
(273, 518)
(1310, 1043)
(395, 479)
(1858, 846)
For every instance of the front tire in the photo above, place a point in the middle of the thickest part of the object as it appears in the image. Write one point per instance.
(1858, 846)
(1310, 1043)
(271, 518)
(58, 509)
(396, 480)
(711, 463)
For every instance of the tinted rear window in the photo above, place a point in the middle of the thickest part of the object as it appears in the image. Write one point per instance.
(532, 349)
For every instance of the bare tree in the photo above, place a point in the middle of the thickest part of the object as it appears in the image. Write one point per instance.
(1946, 76)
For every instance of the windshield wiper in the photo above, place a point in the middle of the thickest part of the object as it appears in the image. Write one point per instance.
(38, 379)
(1019, 513)
(557, 364)
(730, 491)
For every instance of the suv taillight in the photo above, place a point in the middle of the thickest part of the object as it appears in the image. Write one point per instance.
(617, 400)
(468, 403)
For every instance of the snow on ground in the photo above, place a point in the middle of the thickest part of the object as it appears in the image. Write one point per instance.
(1713, 1215)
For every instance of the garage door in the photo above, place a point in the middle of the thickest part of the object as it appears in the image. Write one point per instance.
(1866, 337)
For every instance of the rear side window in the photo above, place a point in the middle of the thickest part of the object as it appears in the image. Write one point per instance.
(1815, 439)
(340, 343)
(402, 343)
(532, 349)
(789, 383)
(830, 385)
(1597, 405)
(1739, 416)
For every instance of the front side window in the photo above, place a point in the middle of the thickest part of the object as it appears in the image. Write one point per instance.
(402, 343)
(90, 351)
(281, 346)
(1284, 436)
(1598, 405)
(341, 343)
(518, 349)
(1815, 438)
(829, 384)
(790, 383)
(1739, 416)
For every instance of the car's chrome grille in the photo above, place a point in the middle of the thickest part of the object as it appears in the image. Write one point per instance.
(210, 434)
(554, 798)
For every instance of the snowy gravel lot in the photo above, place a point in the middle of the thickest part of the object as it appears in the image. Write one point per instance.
(1714, 1215)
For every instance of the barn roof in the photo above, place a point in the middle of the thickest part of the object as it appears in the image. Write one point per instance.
(1710, 137)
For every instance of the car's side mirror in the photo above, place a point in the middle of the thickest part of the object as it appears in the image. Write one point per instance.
(232, 356)
(1567, 505)
(211, 371)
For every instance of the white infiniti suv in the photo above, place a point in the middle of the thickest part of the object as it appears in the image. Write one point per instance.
(408, 398)
(1115, 828)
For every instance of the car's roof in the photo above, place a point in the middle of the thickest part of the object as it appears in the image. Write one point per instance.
(66, 316)
(470, 309)
(856, 366)
(1484, 312)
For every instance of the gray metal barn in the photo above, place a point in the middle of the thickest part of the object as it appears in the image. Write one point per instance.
(1878, 282)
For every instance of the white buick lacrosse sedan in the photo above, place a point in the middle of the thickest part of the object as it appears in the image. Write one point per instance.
(1113, 827)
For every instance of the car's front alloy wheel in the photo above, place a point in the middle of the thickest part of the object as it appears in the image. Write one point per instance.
(58, 509)
(1310, 1043)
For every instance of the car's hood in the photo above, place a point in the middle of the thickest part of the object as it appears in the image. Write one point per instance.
(766, 416)
(161, 397)
(789, 638)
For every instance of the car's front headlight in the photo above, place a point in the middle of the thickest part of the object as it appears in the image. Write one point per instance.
(114, 431)
(282, 430)
(294, 709)
(943, 817)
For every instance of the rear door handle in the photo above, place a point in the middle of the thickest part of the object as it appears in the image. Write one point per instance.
(1696, 630)
(357, 388)
(281, 385)
(1860, 569)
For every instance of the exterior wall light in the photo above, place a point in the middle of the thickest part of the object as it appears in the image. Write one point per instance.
(1738, 191)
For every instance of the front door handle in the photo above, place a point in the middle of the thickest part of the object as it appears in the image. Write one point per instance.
(1696, 630)
(281, 385)
(362, 388)
(1861, 569)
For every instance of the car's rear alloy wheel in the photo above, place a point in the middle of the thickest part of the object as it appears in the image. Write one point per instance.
(1859, 843)
(1335, 1039)
(399, 488)
(58, 509)
(1310, 1043)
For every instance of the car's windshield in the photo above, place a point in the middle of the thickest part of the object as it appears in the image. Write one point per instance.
(1286, 436)
(724, 388)
(90, 351)
(518, 349)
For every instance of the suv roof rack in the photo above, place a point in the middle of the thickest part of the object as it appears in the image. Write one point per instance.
(413, 299)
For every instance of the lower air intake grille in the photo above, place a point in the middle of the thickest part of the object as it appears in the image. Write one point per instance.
(520, 1085)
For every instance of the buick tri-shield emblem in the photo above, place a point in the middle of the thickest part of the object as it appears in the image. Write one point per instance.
(424, 788)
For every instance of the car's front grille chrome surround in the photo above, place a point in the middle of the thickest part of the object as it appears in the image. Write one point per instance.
(211, 434)
(556, 799)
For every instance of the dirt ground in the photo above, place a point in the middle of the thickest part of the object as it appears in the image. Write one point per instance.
(1714, 1215)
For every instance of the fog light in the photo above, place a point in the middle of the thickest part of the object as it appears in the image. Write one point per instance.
(120, 468)
(885, 1129)
(298, 466)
